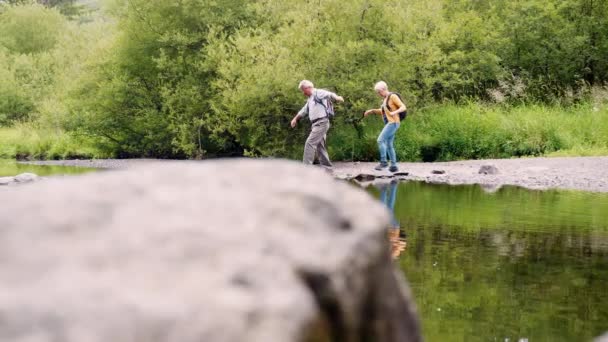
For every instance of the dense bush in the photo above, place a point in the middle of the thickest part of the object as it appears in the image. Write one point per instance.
(434, 52)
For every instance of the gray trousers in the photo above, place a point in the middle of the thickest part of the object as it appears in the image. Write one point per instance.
(316, 143)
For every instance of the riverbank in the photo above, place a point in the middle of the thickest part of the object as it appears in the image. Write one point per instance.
(577, 173)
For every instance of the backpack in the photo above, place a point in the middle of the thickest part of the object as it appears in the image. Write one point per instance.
(327, 104)
(402, 115)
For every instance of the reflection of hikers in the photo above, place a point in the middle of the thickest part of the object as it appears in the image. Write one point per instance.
(318, 108)
(393, 110)
(388, 196)
(398, 244)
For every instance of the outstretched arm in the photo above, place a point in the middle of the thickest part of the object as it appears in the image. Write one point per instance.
(298, 116)
(338, 98)
(294, 121)
(372, 111)
(325, 94)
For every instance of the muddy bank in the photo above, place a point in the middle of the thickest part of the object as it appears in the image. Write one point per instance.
(583, 173)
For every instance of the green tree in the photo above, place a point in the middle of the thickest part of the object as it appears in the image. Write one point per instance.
(590, 20)
(15, 103)
(30, 28)
(152, 96)
(69, 8)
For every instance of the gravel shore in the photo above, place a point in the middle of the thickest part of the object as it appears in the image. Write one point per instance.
(581, 173)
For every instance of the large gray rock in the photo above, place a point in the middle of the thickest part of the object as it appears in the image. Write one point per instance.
(6, 180)
(603, 338)
(488, 170)
(19, 179)
(26, 178)
(218, 251)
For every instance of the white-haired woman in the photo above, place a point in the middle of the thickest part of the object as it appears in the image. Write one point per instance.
(390, 109)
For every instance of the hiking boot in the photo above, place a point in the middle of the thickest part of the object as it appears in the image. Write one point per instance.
(393, 168)
(381, 166)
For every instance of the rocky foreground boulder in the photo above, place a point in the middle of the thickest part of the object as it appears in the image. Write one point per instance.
(226, 251)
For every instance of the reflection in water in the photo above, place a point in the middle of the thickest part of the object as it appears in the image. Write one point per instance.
(12, 168)
(397, 242)
(511, 265)
(396, 236)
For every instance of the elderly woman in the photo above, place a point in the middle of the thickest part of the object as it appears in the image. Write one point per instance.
(390, 109)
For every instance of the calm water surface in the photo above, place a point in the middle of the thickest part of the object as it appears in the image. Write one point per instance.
(513, 265)
(12, 168)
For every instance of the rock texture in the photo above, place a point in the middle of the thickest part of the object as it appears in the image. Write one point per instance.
(19, 179)
(26, 178)
(226, 251)
(488, 170)
(603, 338)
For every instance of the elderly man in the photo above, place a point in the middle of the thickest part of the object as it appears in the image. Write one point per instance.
(317, 108)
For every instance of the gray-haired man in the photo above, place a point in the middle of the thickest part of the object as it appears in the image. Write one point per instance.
(316, 110)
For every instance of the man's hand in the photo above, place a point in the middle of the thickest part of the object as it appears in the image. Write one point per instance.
(340, 99)
(294, 122)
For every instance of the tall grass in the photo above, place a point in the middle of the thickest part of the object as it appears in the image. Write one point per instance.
(438, 133)
(477, 131)
(27, 141)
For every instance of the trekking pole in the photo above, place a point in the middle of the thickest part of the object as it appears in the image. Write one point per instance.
(352, 151)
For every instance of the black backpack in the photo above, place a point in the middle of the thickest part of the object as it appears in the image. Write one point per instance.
(403, 114)
(327, 104)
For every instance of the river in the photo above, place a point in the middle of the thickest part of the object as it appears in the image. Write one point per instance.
(506, 265)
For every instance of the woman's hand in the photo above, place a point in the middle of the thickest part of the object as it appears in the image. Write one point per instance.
(367, 112)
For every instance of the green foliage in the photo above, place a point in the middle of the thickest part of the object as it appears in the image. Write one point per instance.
(28, 141)
(30, 28)
(36, 76)
(15, 104)
(201, 78)
(150, 96)
(69, 8)
(476, 132)
(10, 168)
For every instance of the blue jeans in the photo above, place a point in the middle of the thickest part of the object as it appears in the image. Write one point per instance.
(386, 141)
